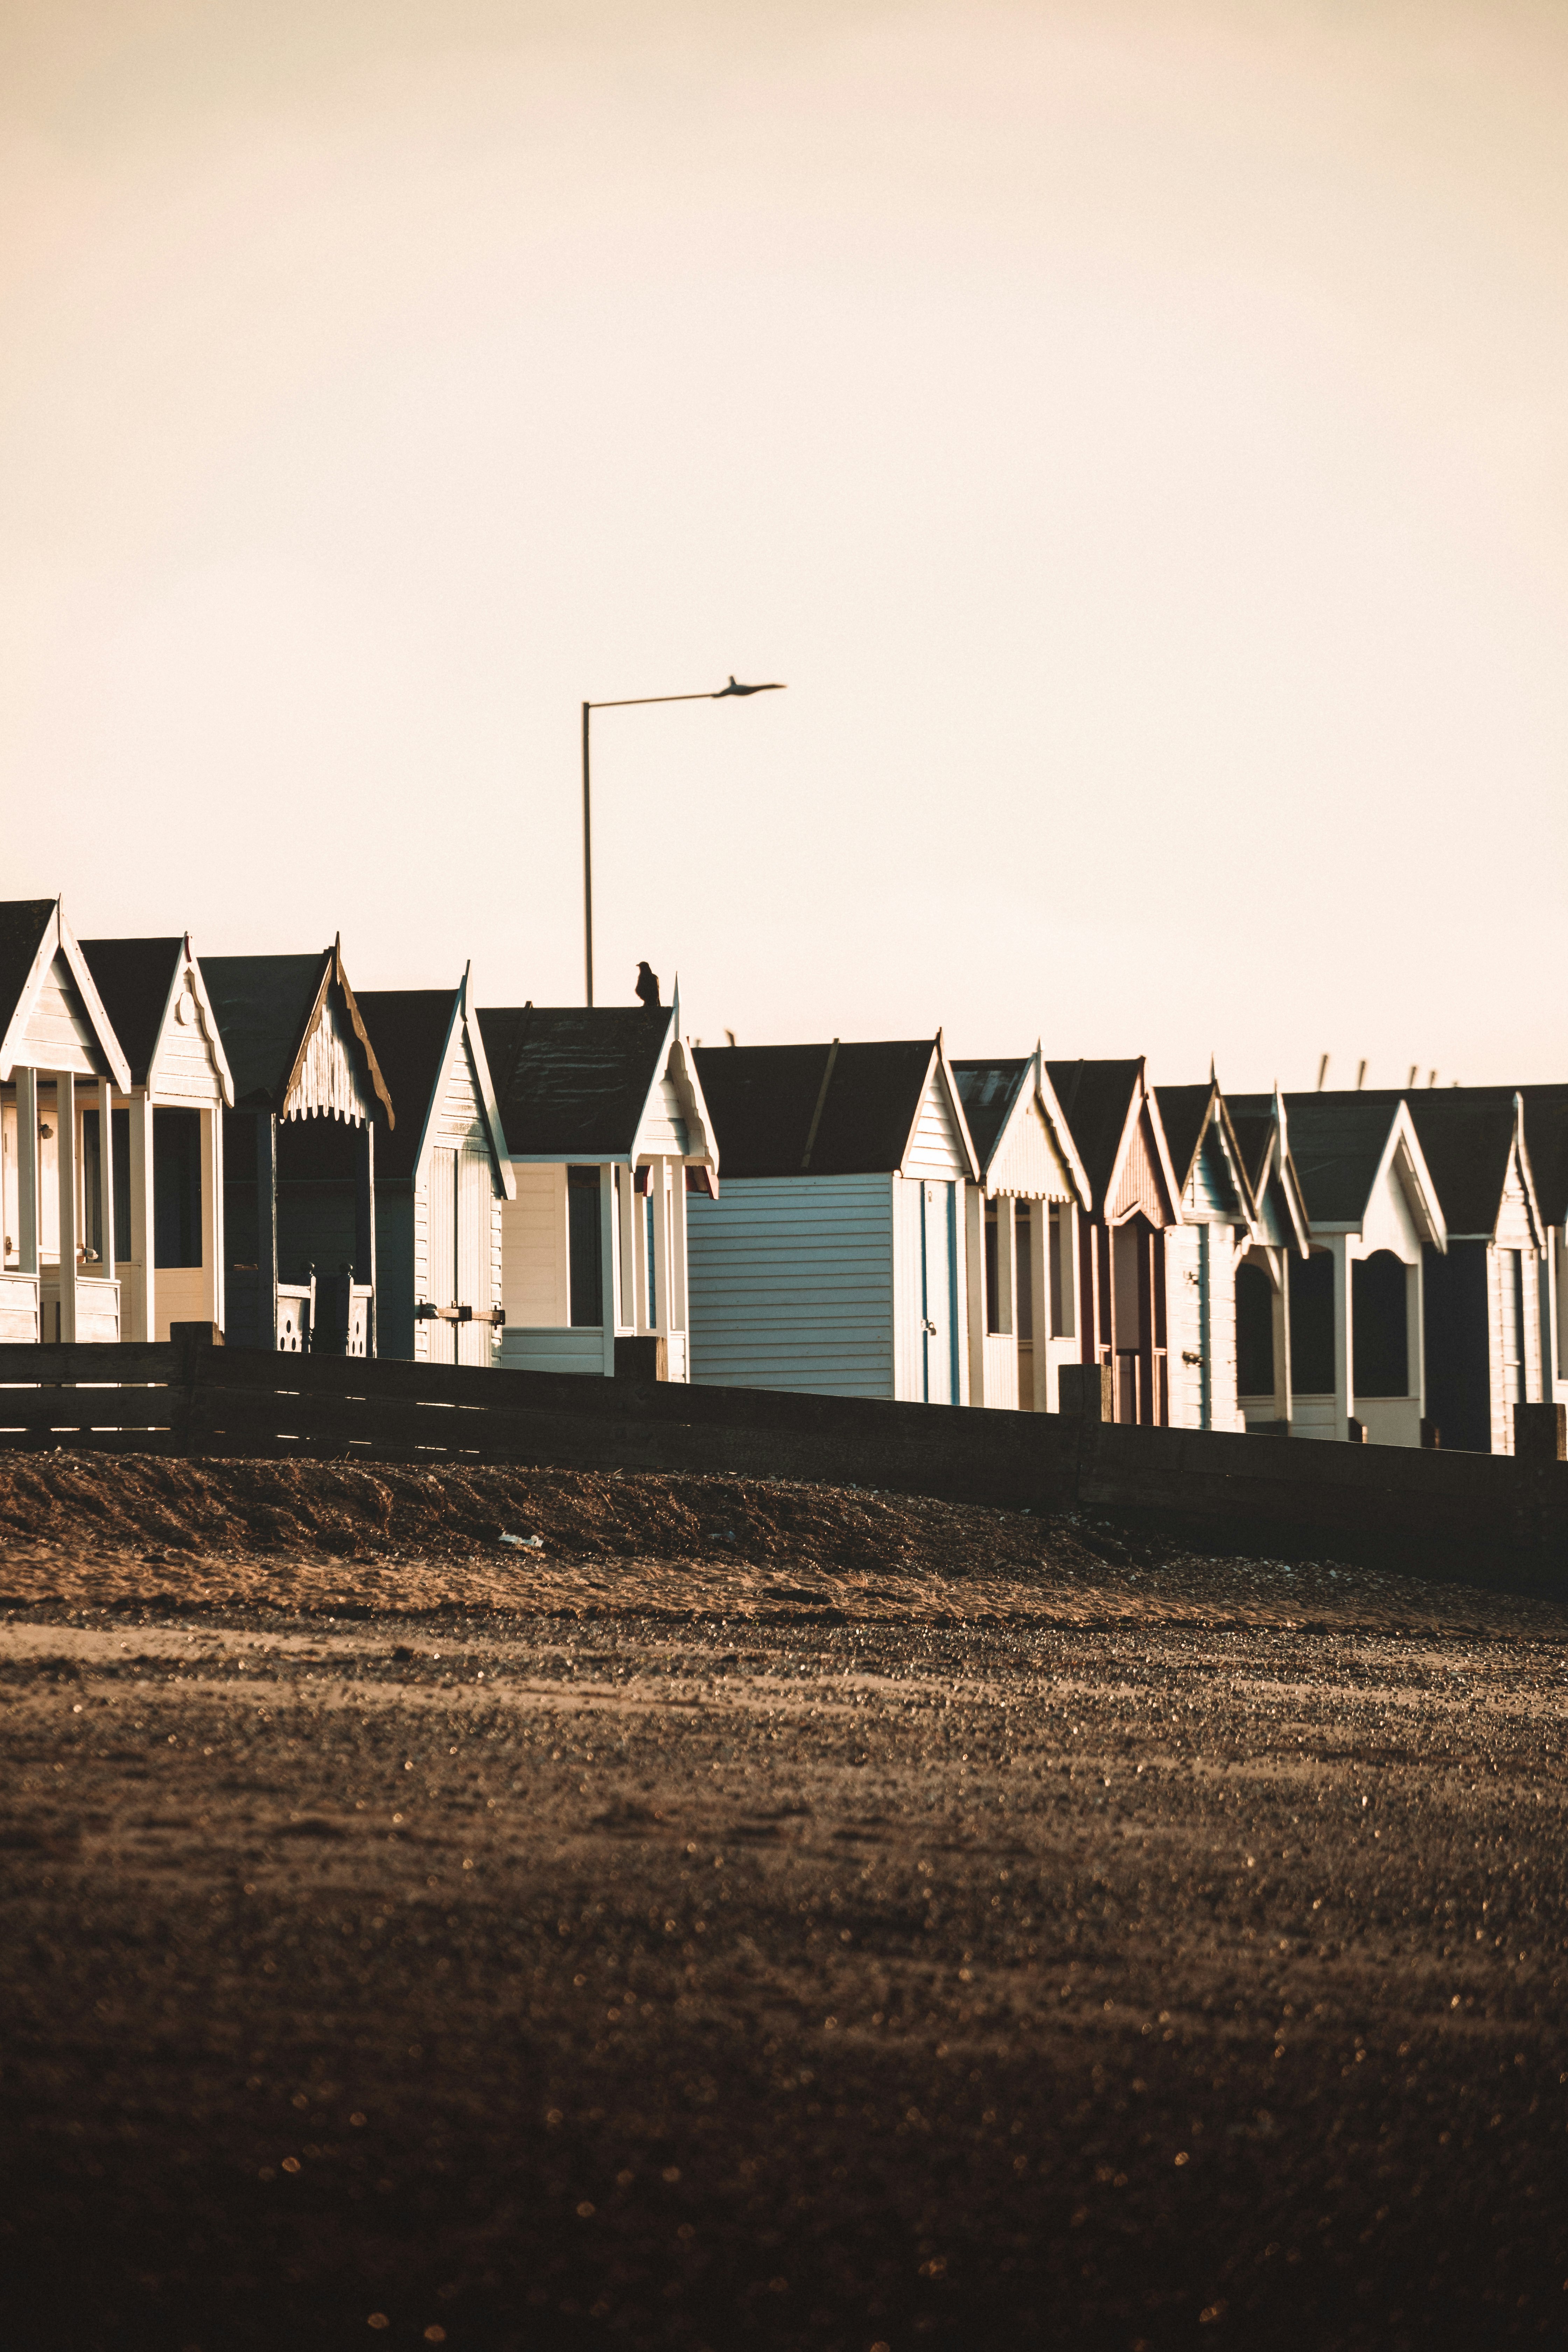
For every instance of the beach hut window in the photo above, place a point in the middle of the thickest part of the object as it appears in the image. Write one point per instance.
(1312, 1324)
(1378, 1334)
(176, 1188)
(585, 1234)
(1254, 1333)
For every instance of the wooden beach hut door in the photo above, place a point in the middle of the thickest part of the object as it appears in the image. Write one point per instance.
(474, 1193)
(441, 1333)
(938, 1289)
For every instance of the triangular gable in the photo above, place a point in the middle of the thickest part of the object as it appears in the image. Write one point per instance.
(462, 1032)
(1404, 1160)
(1143, 1181)
(1519, 1164)
(186, 984)
(1034, 1157)
(323, 1080)
(938, 1114)
(675, 1101)
(57, 1020)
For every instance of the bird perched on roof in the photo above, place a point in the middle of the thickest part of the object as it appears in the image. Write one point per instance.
(648, 985)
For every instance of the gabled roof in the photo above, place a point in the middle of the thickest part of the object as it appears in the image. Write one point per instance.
(575, 1082)
(33, 932)
(834, 1109)
(412, 1031)
(1262, 1137)
(1191, 1116)
(1344, 1143)
(140, 982)
(996, 1098)
(268, 1008)
(1104, 1103)
(1546, 1140)
(1468, 1137)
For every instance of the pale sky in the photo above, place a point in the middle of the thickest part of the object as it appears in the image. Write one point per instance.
(1134, 428)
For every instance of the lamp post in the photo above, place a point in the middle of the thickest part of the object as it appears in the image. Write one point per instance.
(633, 702)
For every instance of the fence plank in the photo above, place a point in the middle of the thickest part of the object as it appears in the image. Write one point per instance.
(88, 1360)
(89, 1408)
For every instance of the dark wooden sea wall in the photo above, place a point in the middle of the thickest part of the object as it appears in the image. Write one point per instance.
(190, 1397)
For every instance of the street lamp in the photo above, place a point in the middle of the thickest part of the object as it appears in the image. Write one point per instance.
(632, 702)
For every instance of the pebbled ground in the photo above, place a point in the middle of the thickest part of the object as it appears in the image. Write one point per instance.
(819, 1977)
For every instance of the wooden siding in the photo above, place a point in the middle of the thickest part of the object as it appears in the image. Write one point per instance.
(1139, 1185)
(1200, 1260)
(58, 1034)
(663, 1133)
(457, 1249)
(554, 1350)
(331, 1081)
(535, 1261)
(792, 1285)
(19, 1308)
(185, 1069)
(934, 1149)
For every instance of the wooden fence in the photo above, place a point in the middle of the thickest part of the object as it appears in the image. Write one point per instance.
(192, 1398)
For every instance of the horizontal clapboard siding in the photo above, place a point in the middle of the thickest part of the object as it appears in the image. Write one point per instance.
(792, 1285)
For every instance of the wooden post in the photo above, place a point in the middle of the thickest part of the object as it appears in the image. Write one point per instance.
(631, 1252)
(1040, 1236)
(106, 1175)
(27, 1217)
(267, 1228)
(659, 1196)
(1280, 1311)
(214, 1236)
(64, 1167)
(609, 1268)
(974, 1289)
(1415, 1339)
(679, 1316)
(139, 1242)
(1344, 1337)
(1540, 1432)
(364, 1224)
(1087, 1391)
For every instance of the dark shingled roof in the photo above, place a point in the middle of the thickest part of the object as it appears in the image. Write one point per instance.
(1465, 1134)
(23, 922)
(1546, 1143)
(987, 1091)
(1182, 1111)
(262, 1004)
(407, 1028)
(1253, 1131)
(570, 1080)
(133, 977)
(1095, 1097)
(1336, 1141)
(763, 1100)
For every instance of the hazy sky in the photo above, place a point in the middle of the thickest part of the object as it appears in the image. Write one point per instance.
(1136, 432)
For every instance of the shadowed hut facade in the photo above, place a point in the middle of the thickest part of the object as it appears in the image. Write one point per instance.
(1020, 1233)
(300, 1154)
(166, 1135)
(834, 1260)
(60, 1061)
(609, 1138)
(1203, 1255)
(442, 1179)
(1135, 1205)
(1260, 1123)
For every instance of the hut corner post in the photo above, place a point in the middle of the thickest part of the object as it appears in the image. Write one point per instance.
(364, 1226)
(267, 1228)
(64, 1165)
(28, 1218)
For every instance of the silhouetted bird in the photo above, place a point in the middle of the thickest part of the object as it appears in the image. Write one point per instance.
(648, 985)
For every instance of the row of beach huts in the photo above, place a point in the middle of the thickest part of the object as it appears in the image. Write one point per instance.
(245, 1143)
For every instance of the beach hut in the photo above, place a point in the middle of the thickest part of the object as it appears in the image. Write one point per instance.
(1357, 1300)
(442, 1179)
(1546, 1135)
(300, 1154)
(1487, 1306)
(60, 1061)
(1260, 1125)
(833, 1260)
(167, 1135)
(609, 1140)
(1220, 1224)
(1135, 1205)
(1020, 1233)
